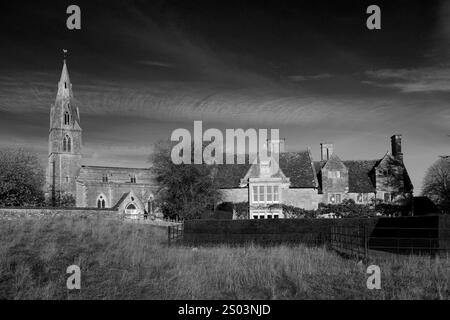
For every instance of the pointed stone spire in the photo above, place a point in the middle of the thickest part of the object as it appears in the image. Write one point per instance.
(64, 85)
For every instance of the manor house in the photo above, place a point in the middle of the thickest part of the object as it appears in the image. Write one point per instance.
(302, 182)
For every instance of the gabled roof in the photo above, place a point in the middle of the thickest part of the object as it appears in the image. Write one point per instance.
(360, 175)
(274, 169)
(297, 166)
(388, 157)
(122, 199)
(230, 175)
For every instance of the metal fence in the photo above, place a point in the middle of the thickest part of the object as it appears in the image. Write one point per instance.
(349, 240)
(362, 242)
(175, 233)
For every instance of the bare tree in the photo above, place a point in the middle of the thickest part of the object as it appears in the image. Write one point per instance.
(436, 184)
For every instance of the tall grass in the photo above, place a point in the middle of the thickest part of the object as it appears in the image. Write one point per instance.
(119, 260)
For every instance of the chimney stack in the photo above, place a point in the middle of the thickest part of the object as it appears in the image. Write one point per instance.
(396, 147)
(326, 150)
(276, 142)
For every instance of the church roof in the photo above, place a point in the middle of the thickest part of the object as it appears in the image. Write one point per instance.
(122, 199)
(108, 168)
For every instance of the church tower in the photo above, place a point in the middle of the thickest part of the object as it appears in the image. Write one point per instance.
(64, 154)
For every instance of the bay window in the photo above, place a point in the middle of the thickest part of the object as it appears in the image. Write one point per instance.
(265, 194)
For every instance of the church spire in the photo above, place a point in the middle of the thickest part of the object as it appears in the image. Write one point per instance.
(64, 85)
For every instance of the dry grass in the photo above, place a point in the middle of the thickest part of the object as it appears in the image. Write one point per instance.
(129, 261)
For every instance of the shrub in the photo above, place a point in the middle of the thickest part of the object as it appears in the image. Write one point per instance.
(21, 179)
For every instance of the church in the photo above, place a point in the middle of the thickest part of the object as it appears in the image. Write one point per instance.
(129, 190)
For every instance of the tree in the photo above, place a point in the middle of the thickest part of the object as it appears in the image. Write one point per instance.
(436, 184)
(62, 200)
(21, 178)
(185, 190)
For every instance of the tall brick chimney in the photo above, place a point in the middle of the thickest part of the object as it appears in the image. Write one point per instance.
(396, 147)
(326, 150)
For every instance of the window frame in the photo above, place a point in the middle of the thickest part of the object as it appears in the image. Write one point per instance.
(259, 197)
(66, 118)
(265, 214)
(335, 197)
(67, 143)
(101, 201)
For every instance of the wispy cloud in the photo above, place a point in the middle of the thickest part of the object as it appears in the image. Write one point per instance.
(429, 79)
(313, 77)
(157, 64)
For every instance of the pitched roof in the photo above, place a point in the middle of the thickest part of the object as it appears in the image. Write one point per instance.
(230, 175)
(407, 181)
(297, 166)
(122, 199)
(360, 175)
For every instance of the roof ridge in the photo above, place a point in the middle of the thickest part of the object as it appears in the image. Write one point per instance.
(112, 167)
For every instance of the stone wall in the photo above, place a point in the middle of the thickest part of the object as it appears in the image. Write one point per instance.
(115, 175)
(118, 183)
(307, 198)
(18, 213)
(113, 192)
(234, 195)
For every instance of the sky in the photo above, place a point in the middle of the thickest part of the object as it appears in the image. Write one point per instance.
(312, 69)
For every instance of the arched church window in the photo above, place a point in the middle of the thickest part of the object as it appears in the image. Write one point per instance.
(133, 179)
(101, 202)
(67, 144)
(66, 118)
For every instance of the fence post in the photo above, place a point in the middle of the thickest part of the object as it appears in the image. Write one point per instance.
(168, 234)
(365, 239)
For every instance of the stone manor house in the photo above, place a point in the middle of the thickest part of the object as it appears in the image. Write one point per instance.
(300, 181)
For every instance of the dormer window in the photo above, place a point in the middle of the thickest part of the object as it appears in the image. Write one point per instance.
(66, 118)
(67, 144)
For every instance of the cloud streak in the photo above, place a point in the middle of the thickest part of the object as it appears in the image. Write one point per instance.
(429, 79)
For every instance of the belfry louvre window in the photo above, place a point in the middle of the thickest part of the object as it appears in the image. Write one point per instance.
(66, 118)
(67, 144)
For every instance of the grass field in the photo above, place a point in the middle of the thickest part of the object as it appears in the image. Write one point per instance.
(120, 260)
